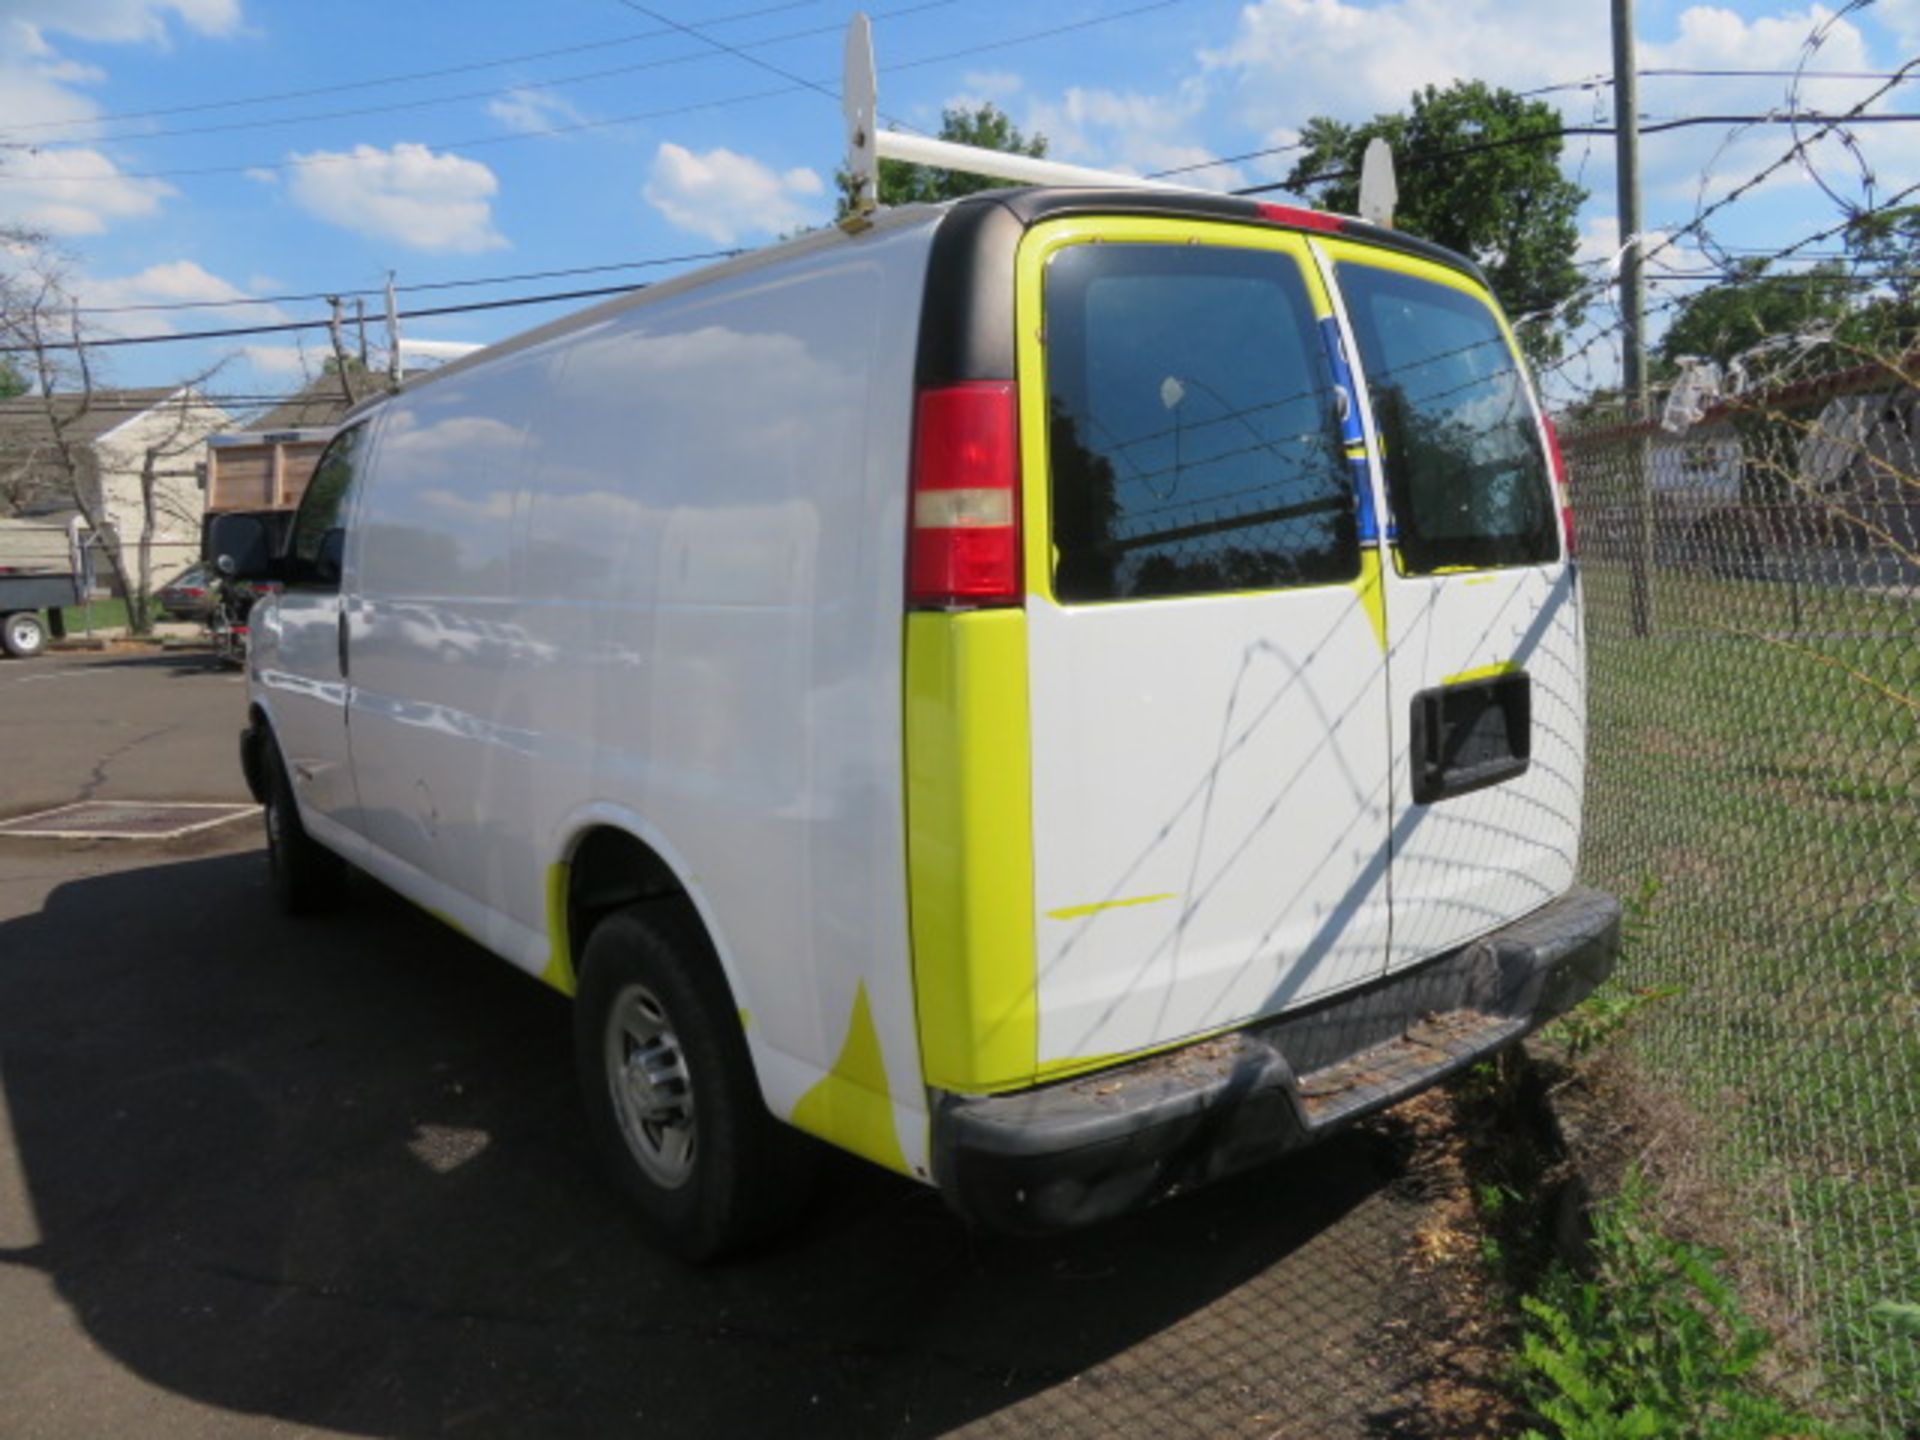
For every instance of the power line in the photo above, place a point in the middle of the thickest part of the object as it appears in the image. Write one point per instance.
(1557, 132)
(293, 162)
(402, 79)
(287, 326)
(581, 77)
(348, 294)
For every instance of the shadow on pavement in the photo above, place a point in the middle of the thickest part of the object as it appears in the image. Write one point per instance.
(331, 1173)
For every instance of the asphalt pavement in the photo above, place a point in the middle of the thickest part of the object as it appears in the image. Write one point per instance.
(264, 1177)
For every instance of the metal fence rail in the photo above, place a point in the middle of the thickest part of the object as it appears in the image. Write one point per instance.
(1753, 603)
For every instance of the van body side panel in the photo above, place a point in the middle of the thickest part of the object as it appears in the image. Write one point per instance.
(440, 719)
(713, 546)
(1468, 863)
(1210, 748)
(970, 848)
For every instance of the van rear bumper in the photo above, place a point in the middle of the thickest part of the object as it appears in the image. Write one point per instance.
(1100, 1145)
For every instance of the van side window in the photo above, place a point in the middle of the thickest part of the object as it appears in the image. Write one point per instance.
(318, 542)
(1466, 473)
(1193, 438)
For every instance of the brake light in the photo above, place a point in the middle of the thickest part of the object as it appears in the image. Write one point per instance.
(1559, 466)
(1298, 219)
(963, 546)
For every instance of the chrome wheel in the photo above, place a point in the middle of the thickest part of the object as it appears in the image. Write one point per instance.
(652, 1091)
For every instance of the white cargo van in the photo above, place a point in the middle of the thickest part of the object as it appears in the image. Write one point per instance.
(1065, 694)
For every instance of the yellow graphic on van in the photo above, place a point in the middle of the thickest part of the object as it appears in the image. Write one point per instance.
(1372, 595)
(970, 849)
(559, 972)
(1076, 912)
(850, 1107)
(1483, 672)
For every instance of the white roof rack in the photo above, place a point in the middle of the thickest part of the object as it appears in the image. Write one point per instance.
(868, 145)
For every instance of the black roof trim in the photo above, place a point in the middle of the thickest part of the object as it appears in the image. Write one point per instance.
(966, 321)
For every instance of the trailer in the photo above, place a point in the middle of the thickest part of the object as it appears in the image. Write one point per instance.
(262, 469)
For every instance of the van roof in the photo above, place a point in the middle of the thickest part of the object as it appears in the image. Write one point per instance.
(972, 223)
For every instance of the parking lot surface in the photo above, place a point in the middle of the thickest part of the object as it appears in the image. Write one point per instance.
(263, 1177)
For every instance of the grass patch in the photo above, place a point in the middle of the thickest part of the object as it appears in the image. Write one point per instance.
(1759, 756)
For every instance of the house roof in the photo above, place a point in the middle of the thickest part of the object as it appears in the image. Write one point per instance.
(319, 403)
(23, 419)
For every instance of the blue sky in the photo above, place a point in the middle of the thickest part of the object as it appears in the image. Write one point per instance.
(120, 142)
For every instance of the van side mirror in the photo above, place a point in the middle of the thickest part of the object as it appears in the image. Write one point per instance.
(242, 547)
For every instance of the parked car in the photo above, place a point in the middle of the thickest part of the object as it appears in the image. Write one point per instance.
(188, 596)
(1066, 694)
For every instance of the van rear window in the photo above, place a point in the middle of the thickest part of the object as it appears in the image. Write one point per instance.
(1466, 474)
(1193, 436)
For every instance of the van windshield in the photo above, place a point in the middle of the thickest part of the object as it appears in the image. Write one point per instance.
(1193, 438)
(1466, 474)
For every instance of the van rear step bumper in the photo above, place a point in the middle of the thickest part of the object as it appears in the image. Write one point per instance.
(1100, 1145)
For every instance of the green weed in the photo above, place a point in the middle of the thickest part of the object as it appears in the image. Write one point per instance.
(1654, 1345)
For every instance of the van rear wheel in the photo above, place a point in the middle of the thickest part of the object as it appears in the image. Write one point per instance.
(307, 877)
(670, 1092)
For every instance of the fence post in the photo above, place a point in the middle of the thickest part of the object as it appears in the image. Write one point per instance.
(1640, 537)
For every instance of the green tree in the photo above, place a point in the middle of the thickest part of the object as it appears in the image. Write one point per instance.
(1751, 306)
(986, 128)
(1507, 205)
(12, 382)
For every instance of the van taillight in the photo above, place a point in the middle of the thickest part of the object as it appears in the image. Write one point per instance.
(963, 544)
(1560, 489)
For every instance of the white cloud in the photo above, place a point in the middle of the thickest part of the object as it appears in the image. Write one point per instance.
(1130, 131)
(280, 360)
(261, 175)
(69, 189)
(533, 112)
(994, 84)
(408, 195)
(171, 282)
(123, 21)
(723, 195)
(74, 192)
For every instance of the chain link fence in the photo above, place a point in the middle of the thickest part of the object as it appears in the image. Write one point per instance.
(1753, 611)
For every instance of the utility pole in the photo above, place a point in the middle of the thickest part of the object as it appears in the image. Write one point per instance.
(341, 369)
(360, 318)
(1633, 313)
(394, 372)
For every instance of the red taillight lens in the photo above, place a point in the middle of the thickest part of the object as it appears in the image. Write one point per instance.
(1559, 464)
(963, 545)
(1295, 218)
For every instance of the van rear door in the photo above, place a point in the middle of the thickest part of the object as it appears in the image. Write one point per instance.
(1207, 679)
(1485, 662)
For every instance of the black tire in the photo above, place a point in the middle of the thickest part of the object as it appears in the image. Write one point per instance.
(23, 634)
(735, 1174)
(307, 877)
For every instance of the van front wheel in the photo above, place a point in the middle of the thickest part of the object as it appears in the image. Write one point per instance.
(669, 1087)
(307, 877)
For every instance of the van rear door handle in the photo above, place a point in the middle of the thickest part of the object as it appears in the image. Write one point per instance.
(1465, 737)
(340, 635)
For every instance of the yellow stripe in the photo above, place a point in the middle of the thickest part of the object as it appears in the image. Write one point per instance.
(559, 972)
(850, 1106)
(1483, 672)
(1075, 912)
(970, 849)
(1372, 594)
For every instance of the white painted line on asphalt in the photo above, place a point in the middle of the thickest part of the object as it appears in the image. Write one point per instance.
(19, 1227)
(100, 813)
